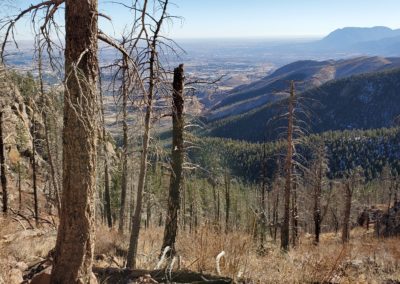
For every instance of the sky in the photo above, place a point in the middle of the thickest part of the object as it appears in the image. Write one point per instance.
(256, 18)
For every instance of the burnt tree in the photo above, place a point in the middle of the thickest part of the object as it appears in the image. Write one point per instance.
(3, 176)
(288, 171)
(177, 158)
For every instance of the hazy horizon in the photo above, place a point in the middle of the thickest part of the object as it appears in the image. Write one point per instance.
(234, 19)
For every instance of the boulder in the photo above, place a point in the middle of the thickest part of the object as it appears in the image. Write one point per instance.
(15, 276)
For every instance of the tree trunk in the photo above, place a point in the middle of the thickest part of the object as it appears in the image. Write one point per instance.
(107, 193)
(177, 157)
(124, 181)
(19, 187)
(75, 240)
(288, 173)
(317, 205)
(227, 201)
(263, 200)
(295, 221)
(346, 215)
(3, 176)
(34, 177)
(137, 216)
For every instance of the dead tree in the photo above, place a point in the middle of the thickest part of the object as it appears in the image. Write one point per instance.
(3, 176)
(288, 171)
(177, 158)
(33, 161)
(227, 200)
(317, 178)
(263, 200)
(295, 213)
(107, 194)
(124, 181)
(153, 77)
(75, 240)
(350, 185)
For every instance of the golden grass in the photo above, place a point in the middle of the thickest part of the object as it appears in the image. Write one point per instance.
(364, 260)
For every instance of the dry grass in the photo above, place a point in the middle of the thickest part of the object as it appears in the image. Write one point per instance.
(364, 260)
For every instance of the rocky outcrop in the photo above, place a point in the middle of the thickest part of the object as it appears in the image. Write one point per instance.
(17, 123)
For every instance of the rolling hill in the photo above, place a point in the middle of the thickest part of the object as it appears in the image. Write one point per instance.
(365, 101)
(308, 73)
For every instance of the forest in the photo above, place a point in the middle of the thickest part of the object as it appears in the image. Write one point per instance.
(110, 175)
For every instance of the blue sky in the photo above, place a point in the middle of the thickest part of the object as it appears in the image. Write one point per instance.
(259, 18)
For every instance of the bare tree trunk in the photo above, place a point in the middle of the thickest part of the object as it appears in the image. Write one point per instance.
(75, 240)
(288, 173)
(19, 187)
(346, 215)
(137, 216)
(177, 157)
(275, 216)
(107, 193)
(295, 223)
(3, 176)
(33, 160)
(153, 73)
(227, 200)
(263, 199)
(317, 205)
(124, 181)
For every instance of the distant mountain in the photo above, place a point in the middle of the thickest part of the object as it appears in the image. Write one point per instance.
(364, 101)
(309, 74)
(346, 37)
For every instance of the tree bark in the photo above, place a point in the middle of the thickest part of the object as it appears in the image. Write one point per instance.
(317, 203)
(347, 211)
(107, 193)
(34, 176)
(3, 176)
(75, 240)
(227, 200)
(124, 181)
(288, 173)
(177, 157)
(295, 221)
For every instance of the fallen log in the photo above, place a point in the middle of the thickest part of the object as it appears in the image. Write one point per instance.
(125, 276)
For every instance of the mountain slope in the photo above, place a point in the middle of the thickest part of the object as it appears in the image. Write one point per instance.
(359, 102)
(349, 36)
(309, 73)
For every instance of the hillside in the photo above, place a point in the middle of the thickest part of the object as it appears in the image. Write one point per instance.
(359, 102)
(307, 73)
(346, 150)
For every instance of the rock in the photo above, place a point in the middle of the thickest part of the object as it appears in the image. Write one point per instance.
(21, 266)
(15, 276)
